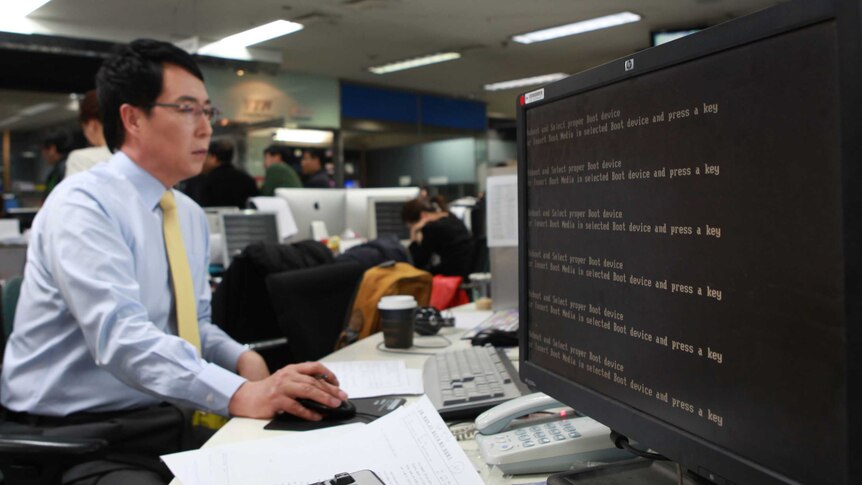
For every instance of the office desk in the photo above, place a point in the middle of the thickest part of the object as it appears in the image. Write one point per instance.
(243, 429)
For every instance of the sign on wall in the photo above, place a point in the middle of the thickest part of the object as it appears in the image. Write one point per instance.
(301, 99)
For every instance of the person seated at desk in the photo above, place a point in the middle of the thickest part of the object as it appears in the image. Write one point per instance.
(223, 184)
(113, 319)
(278, 172)
(439, 242)
(55, 149)
(316, 177)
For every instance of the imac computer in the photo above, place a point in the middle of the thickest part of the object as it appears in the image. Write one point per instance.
(358, 211)
(690, 246)
(239, 229)
(384, 217)
(310, 205)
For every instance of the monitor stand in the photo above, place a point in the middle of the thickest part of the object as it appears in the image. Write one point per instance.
(639, 470)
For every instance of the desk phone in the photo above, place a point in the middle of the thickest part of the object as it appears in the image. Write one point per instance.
(546, 444)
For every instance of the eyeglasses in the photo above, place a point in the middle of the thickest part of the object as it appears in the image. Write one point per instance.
(193, 112)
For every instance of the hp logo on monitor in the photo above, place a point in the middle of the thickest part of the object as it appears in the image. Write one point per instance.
(630, 64)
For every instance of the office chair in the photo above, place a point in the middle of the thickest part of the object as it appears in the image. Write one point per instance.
(241, 305)
(312, 305)
(26, 456)
(481, 255)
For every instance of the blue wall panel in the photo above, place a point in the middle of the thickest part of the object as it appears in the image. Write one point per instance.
(364, 102)
(453, 113)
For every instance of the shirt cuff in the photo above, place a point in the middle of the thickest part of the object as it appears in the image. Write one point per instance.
(226, 354)
(213, 388)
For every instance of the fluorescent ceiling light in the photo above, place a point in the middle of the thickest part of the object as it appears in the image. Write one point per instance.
(13, 13)
(527, 81)
(20, 8)
(290, 135)
(415, 62)
(38, 108)
(577, 27)
(233, 44)
(10, 120)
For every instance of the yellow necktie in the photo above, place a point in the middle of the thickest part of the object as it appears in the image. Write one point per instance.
(181, 275)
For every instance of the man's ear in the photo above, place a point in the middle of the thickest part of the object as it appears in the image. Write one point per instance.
(132, 117)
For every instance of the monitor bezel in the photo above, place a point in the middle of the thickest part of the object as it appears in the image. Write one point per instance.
(691, 451)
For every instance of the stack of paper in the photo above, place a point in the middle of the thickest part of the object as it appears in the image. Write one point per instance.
(409, 445)
(372, 378)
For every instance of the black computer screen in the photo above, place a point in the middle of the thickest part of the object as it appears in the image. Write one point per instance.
(683, 240)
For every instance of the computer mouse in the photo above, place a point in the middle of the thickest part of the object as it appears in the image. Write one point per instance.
(346, 411)
(497, 338)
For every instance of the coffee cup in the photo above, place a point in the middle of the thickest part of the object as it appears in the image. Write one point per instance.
(396, 319)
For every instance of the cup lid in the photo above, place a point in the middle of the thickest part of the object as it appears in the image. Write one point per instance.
(397, 302)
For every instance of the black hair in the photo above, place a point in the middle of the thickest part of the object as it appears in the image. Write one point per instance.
(134, 75)
(60, 139)
(316, 153)
(280, 150)
(222, 150)
(412, 210)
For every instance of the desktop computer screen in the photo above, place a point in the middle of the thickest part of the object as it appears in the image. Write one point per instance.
(239, 229)
(310, 205)
(359, 212)
(384, 217)
(690, 244)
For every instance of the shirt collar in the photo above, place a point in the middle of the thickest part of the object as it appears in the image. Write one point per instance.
(149, 188)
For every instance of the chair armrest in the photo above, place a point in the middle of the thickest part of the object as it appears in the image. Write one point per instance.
(41, 445)
(267, 344)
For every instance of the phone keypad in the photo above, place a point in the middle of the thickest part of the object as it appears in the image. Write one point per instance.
(537, 435)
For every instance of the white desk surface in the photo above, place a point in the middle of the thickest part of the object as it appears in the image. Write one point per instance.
(242, 429)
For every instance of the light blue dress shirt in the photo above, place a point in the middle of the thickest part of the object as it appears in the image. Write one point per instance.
(95, 327)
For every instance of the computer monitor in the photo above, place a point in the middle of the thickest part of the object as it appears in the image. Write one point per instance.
(13, 257)
(25, 215)
(384, 217)
(308, 205)
(239, 229)
(214, 217)
(690, 245)
(358, 207)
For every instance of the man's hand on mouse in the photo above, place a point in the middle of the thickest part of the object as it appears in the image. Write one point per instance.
(277, 393)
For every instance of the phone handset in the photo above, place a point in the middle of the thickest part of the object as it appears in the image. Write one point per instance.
(497, 418)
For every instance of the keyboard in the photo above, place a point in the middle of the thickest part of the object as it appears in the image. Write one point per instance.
(464, 383)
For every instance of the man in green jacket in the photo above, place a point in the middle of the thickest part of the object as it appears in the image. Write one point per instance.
(278, 172)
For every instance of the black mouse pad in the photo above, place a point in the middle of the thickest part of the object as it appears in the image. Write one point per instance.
(367, 410)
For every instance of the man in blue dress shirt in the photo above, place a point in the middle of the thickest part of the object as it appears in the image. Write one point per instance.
(95, 336)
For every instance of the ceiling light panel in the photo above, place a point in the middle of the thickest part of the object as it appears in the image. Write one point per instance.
(415, 62)
(577, 27)
(527, 81)
(232, 44)
(20, 8)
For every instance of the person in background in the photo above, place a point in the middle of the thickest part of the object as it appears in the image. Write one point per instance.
(95, 351)
(223, 184)
(278, 172)
(312, 170)
(439, 242)
(55, 149)
(91, 124)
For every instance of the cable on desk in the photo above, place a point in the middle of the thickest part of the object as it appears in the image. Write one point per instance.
(381, 348)
(448, 343)
(622, 443)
